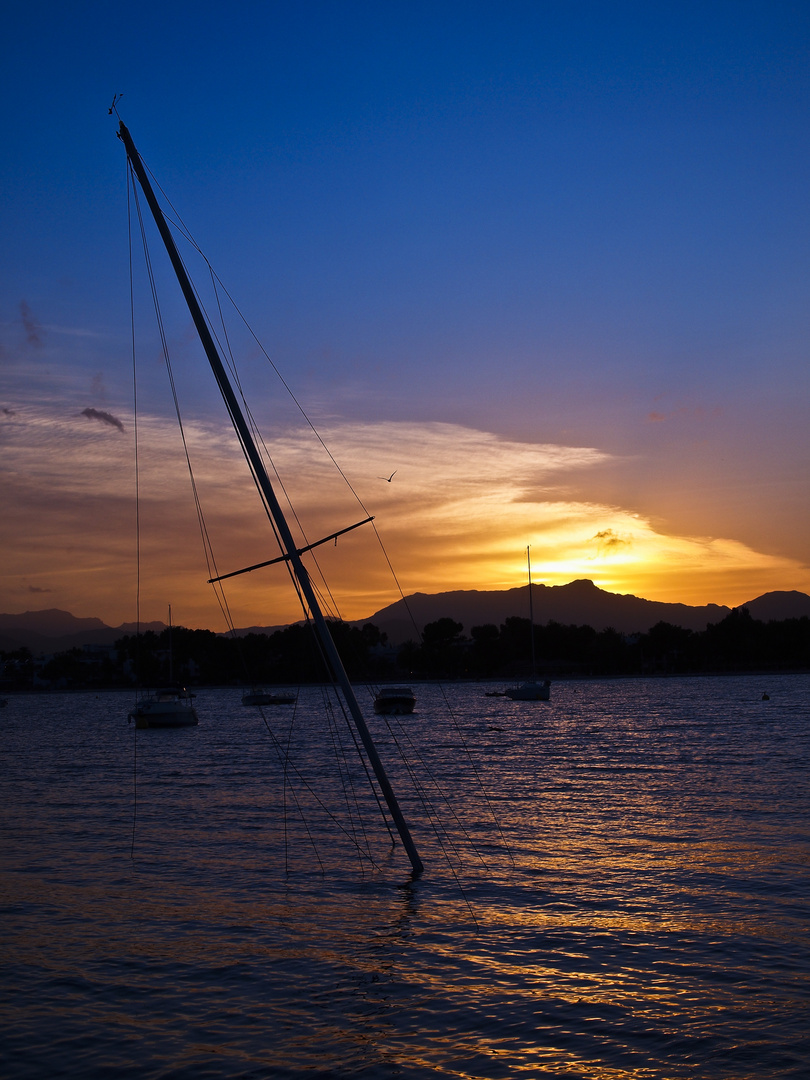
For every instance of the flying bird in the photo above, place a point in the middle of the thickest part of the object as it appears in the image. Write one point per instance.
(388, 479)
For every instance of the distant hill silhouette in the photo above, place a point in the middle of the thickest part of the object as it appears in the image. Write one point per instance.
(53, 631)
(776, 606)
(579, 603)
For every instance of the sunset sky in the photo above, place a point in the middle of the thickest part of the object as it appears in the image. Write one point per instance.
(548, 263)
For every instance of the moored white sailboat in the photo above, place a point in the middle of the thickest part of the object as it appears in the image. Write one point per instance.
(532, 689)
(168, 707)
(395, 701)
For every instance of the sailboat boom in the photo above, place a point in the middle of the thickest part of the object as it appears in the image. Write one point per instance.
(286, 558)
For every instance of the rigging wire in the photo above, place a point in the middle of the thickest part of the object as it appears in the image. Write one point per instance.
(204, 532)
(284, 755)
(176, 220)
(208, 550)
(211, 562)
(180, 225)
(226, 349)
(137, 509)
(364, 763)
(207, 545)
(314, 794)
(344, 772)
(210, 558)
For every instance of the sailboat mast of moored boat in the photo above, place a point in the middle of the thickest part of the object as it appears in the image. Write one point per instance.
(531, 611)
(531, 690)
(256, 463)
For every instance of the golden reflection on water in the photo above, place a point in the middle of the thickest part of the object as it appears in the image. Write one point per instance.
(633, 913)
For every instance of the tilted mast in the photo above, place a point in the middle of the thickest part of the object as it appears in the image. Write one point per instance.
(266, 488)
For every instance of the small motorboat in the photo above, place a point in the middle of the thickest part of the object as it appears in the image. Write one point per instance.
(262, 697)
(166, 708)
(395, 701)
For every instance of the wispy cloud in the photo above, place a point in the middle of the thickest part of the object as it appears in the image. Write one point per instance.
(608, 542)
(104, 417)
(37, 589)
(462, 507)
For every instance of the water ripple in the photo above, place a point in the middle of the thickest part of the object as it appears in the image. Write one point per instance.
(616, 888)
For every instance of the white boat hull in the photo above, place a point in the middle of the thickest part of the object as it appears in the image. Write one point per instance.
(532, 691)
(167, 709)
(395, 701)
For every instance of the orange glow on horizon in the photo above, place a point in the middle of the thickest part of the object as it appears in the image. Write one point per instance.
(458, 514)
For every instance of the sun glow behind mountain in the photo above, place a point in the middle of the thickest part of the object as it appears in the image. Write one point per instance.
(458, 514)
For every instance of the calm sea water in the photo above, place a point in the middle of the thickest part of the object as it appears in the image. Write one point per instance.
(616, 886)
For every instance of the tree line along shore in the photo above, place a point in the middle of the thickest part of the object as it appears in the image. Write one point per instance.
(738, 643)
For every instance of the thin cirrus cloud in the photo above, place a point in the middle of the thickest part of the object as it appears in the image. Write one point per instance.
(458, 514)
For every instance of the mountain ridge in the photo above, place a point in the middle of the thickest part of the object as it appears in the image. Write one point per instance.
(580, 602)
(53, 630)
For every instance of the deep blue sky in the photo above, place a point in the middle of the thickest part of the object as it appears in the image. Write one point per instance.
(573, 223)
